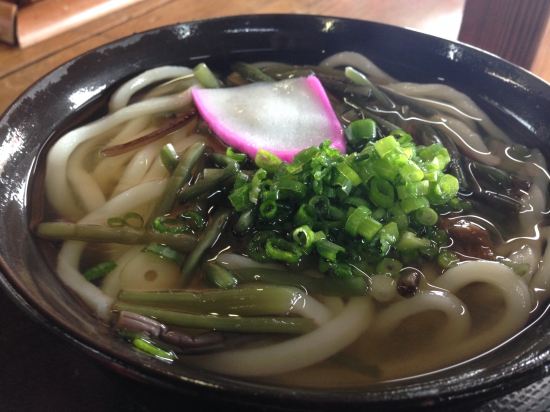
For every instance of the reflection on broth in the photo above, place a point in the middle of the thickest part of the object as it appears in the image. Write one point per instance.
(419, 245)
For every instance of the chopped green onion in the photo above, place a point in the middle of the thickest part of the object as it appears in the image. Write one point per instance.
(382, 192)
(302, 160)
(130, 219)
(397, 215)
(329, 250)
(411, 172)
(447, 259)
(134, 220)
(379, 213)
(415, 189)
(238, 157)
(426, 216)
(255, 189)
(443, 190)
(267, 161)
(409, 241)
(306, 215)
(147, 346)
(349, 173)
(116, 222)
(413, 203)
(165, 252)
(384, 169)
(304, 236)
(364, 129)
(368, 228)
(144, 344)
(241, 180)
(389, 233)
(385, 145)
(256, 247)
(356, 218)
(519, 268)
(99, 271)
(291, 188)
(268, 210)
(337, 270)
(390, 266)
(240, 198)
(281, 249)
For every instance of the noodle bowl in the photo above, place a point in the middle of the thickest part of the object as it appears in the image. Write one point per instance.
(516, 101)
(450, 317)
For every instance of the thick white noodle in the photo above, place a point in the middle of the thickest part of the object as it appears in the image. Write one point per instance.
(518, 304)
(57, 187)
(67, 268)
(296, 353)
(540, 282)
(333, 303)
(455, 98)
(111, 283)
(360, 62)
(122, 96)
(130, 200)
(462, 131)
(173, 86)
(458, 317)
(138, 167)
(513, 288)
(109, 170)
(534, 202)
(467, 139)
(528, 253)
(382, 288)
(309, 307)
(87, 191)
(449, 109)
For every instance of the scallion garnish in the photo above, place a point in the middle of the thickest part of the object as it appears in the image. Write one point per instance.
(99, 271)
(375, 204)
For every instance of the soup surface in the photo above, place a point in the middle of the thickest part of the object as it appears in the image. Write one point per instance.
(309, 225)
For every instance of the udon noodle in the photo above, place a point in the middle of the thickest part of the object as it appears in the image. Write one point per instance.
(447, 316)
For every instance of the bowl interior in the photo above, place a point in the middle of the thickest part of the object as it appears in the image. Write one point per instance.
(517, 101)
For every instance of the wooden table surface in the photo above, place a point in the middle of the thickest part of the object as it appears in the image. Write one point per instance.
(19, 68)
(30, 380)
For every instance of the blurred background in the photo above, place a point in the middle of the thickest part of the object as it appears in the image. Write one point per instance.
(36, 36)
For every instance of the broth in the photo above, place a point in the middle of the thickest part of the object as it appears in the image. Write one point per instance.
(419, 319)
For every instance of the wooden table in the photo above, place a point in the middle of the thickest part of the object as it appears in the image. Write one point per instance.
(33, 376)
(20, 68)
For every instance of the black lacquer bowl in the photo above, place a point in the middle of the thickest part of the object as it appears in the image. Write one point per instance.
(517, 100)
